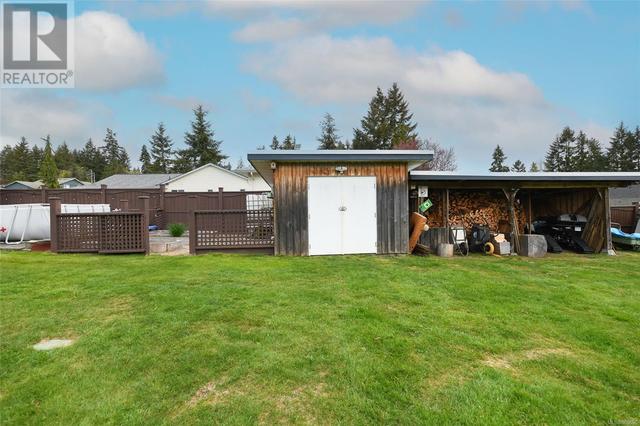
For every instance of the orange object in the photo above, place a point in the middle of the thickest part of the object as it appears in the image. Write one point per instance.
(417, 222)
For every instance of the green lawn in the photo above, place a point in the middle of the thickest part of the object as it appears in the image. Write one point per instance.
(363, 339)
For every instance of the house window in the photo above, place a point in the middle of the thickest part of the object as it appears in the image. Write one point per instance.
(177, 190)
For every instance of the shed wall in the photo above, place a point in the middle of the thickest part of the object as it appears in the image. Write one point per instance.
(291, 213)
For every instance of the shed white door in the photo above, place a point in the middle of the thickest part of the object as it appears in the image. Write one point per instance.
(342, 214)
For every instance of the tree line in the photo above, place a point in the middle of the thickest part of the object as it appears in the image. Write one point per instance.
(577, 152)
(388, 124)
(92, 162)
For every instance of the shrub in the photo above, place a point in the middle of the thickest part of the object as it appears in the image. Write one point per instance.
(177, 229)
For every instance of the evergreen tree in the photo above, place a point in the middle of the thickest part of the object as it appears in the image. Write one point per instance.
(518, 167)
(93, 161)
(161, 151)
(373, 132)
(329, 138)
(636, 149)
(275, 144)
(497, 165)
(400, 126)
(48, 168)
(117, 159)
(182, 163)
(19, 160)
(5, 158)
(616, 153)
(289, 143)
(597, 162)
(145, 160)
(63, 157)
(631, 151)
(534, 167)
(581, 160)
(202, 148)
(37, 154)
(559, 157)
(240, 164)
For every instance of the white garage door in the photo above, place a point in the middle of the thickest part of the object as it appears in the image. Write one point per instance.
(342, 214)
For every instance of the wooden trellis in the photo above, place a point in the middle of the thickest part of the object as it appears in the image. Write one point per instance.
(113, 232)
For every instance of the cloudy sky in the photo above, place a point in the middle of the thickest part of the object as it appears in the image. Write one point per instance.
(476, 74)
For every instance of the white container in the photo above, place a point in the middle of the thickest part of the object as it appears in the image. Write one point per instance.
(20, 222)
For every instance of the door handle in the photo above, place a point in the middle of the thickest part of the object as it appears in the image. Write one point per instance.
(342, 209)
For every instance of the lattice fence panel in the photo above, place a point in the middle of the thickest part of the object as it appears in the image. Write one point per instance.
(122, 233)
(101, 232)
(78, 233)
(237, 229)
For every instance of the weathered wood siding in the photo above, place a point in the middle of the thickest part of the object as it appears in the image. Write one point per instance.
(291, 213)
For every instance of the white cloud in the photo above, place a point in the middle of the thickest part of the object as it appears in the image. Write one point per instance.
(281, 20)
(456, 100)
(323, 68)
(36, 113)
(110, 55)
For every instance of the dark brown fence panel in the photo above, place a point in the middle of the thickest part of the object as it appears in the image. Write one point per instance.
(164, 207)
(248, 228)
(178, 206)
(625, 216)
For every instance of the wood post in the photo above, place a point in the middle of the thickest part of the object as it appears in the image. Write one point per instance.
(445, 213)
(220, 198)
(54, 210)
(511, 198)
(193, 231)
(145, 221)
(103, 193)
(608, 244)
(43, 195)
(530, 213)
(124, 205)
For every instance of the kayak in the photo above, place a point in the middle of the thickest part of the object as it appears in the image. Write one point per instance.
(625, 240)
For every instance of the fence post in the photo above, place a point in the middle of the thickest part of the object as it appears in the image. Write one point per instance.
(193, 228)
(43, 195)
(124, 205)
(162, 222)
(103, 192)
(145, 221)
(220, 198)
(54, 210)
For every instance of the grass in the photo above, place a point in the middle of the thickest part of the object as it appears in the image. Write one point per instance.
(362, 339)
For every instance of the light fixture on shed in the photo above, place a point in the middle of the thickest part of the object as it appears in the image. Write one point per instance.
(273, 165)
(341, 169)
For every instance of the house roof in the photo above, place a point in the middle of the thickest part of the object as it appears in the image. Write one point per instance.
(529, 179)
(37, 184)
(262, 160)
(178, 177)
(121, 181)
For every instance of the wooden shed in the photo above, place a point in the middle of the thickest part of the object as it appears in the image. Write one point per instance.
(527, 196)
(339, 202)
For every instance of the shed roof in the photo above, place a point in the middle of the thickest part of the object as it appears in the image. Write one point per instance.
(261, 160)
(528, 179)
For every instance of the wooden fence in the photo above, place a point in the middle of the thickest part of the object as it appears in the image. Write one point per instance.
(249, 228)
(164, 207)
(113, 232)
(627, 217)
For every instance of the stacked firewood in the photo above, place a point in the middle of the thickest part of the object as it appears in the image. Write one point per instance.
(469, 208)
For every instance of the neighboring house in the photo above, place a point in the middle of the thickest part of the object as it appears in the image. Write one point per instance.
(209, 178)
(127, 181)
(624, 197)
(63, 182)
